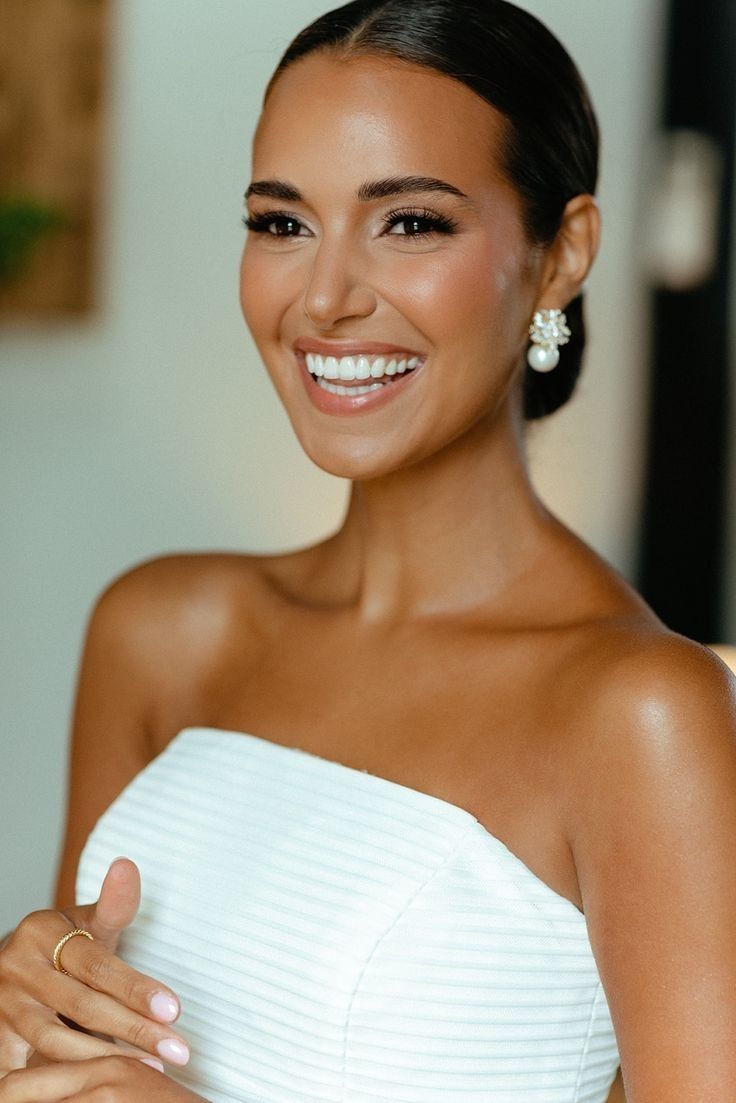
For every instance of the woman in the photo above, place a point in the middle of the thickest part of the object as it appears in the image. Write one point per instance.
(437, 809)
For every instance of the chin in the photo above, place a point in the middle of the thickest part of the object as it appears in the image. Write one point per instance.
(358, 461)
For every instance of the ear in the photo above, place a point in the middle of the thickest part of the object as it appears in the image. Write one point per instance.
(571, 255)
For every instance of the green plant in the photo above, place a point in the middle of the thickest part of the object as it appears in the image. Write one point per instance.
(23, 222)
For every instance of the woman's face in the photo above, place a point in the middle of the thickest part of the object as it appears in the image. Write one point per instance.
(343, 278)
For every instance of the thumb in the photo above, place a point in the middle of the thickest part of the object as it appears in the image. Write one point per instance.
(118, 902)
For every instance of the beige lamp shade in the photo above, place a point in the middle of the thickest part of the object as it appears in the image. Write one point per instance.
(726, 652)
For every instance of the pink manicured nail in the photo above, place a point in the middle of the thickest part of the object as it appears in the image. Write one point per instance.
(171, 1049)
(164, 1007)
(153, 1063)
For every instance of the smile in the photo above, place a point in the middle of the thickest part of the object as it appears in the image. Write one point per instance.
(353, 369)
(356, 383)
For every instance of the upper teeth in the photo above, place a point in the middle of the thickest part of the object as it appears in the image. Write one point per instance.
(358, 367)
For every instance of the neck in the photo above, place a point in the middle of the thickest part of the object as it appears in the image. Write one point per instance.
(444, 536)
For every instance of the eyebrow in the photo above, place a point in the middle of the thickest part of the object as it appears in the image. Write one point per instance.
(372, 189)
(400, 185)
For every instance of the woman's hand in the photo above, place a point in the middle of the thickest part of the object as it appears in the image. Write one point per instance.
(114, 1079)
(103, 994)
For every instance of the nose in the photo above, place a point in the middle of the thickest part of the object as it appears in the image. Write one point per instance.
(337, 287)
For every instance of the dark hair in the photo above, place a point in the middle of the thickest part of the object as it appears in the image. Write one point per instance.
(510, 59)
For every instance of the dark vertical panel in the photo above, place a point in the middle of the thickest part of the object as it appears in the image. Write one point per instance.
(683, 537)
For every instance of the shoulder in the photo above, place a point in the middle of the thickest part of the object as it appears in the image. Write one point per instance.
(174, 622)
(154, 638)
(169, 583)
(641, 689)
(181, 597)
(163, 624)
(651, 825)
(652, 715)
(178, 584)
(150, 636)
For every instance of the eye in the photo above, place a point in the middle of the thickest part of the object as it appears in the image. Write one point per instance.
(284, 224)
(419, 223)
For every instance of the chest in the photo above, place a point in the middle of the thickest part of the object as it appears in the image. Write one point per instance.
(471, 720)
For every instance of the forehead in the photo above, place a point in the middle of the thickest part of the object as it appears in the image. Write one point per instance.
(380, 112)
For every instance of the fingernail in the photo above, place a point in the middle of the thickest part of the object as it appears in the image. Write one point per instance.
(164, 1007)
(171, 1049)
(153, 1063)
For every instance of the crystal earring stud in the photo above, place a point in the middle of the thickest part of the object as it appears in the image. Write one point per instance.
(548, 331)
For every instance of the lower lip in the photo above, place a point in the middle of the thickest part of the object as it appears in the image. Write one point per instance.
(345, 405)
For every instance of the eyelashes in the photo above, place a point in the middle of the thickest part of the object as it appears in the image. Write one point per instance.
(431, 221)
(259, 224)
(441, 224)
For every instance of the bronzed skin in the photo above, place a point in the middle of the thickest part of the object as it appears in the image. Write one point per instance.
(453, 635)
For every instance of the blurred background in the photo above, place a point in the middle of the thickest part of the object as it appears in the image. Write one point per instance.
(136, 419)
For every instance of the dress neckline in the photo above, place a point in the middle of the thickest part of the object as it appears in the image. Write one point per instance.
(272, 746)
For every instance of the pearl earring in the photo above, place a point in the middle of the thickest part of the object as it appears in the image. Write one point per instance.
(548, 331)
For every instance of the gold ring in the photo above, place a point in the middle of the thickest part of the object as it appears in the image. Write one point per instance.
(62, 943)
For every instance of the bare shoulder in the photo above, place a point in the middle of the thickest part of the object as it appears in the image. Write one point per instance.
(624, 677)
(621, 685)
(651, 824)
(652, 716)
(180, 624)
(185, 585)
(639, 687)
(178, 585)
(153, 642)
(174, 612)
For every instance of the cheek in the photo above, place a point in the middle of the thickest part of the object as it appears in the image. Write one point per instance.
(261, 291)
(465, 297)
(251, 302)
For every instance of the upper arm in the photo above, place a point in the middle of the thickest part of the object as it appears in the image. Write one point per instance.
(153, 640)
(114, 697)
(653, 832)
(108, 728)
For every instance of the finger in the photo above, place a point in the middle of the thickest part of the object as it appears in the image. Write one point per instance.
(120, 897)
(43, 1085)
(71, 1080)
(153, 1063)
(131, 1051)
(15, 1052)
(133, 1004)
(98, 968)
(116, 907)
(56, 1042)
(90, 961)
(97, 1011)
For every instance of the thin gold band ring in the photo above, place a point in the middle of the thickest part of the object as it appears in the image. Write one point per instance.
(62, 943)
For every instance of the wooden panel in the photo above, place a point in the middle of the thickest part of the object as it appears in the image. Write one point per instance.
(52, 60)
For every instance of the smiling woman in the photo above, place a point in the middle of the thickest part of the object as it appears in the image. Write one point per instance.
(436, 809)
(457, 253)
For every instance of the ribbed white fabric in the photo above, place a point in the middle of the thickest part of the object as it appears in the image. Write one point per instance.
(335, 936)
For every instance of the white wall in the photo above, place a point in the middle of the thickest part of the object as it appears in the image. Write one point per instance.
(153, 428)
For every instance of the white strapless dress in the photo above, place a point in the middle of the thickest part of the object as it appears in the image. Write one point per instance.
(335, 937)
